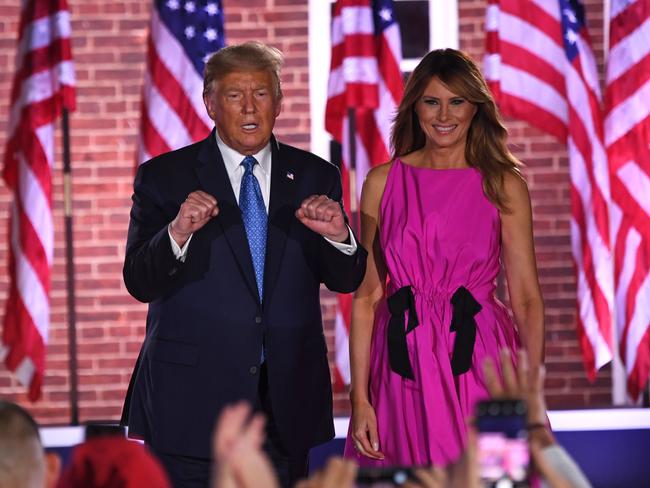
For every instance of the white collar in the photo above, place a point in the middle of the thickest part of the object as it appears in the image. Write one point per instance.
(232, 159)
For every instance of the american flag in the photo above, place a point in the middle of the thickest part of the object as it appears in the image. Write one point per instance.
(43, 86)
(364, 76)
(541, 69)
(627, 138)
(183, 34)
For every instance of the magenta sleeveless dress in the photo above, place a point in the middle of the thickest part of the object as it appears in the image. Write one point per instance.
(439, 233)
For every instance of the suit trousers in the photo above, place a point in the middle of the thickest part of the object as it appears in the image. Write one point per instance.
(290, 468)
(191, 472)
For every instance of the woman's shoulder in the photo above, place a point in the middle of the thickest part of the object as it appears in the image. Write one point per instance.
(515, 190)
(514, 184)
(379, 173)
(375, 183)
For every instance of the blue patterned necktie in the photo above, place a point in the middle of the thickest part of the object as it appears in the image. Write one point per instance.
(253, 213)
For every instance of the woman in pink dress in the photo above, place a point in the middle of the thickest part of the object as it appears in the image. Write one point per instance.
(435, 220)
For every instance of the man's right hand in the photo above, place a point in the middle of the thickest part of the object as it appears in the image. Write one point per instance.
(197, 209)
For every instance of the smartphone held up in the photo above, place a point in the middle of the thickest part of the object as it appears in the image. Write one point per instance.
(504, 456)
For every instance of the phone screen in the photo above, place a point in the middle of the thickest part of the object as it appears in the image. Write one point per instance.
(387, 477)
(504, 456)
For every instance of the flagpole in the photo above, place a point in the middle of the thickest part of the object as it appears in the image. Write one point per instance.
(352, 155)
(619, 375)
(69, 254)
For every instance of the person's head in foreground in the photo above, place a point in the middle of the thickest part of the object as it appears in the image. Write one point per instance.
(113, 462)
(23, 461)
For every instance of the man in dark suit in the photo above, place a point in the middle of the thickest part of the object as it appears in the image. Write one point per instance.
(229, 241)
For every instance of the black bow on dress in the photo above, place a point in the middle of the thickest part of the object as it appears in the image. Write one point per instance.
(464, 306)
(398, 354)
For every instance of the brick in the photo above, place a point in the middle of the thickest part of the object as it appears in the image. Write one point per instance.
(245, 34)
(290, 32)
(243, 4)
(116, 395)
(282, 16)
(94, 24)
(292, 3)
(91, 332)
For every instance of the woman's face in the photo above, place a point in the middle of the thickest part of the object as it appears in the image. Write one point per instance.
(444, 116)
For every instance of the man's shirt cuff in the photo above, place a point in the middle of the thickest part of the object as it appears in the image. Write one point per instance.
(179, 252)
(348, 249)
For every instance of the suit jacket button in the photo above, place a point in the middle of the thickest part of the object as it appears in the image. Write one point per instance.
(253, 369)
(258, 319)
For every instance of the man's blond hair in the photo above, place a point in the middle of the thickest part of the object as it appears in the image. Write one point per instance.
(249, 56)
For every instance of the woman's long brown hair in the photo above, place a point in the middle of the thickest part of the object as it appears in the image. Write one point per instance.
(486, 148)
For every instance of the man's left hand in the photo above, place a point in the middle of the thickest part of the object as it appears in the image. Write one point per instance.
(324, 216)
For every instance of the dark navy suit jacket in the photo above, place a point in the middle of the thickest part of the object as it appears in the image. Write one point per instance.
(205, 325)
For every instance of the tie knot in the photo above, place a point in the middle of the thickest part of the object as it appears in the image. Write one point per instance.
(248, 163)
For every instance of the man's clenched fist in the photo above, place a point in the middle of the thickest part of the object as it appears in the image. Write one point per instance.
(197, 209)
(324, 216)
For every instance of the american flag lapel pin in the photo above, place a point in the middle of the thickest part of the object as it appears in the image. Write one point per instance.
(290, 175)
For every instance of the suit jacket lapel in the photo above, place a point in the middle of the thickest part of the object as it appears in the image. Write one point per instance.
(214, 180)
(284, 179)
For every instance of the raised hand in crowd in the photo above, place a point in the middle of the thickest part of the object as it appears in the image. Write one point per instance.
(338, 473)
(552, 462)
(239, 460)
(523, 383)
(433, 477)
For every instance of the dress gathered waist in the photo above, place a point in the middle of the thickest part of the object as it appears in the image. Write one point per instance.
(401, 305)
(482, 293)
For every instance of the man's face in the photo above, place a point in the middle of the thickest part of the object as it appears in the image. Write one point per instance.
(244, 106)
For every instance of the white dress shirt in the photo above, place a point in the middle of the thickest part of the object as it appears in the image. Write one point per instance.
(262, 171)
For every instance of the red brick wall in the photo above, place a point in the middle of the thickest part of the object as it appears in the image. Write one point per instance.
(109, 50)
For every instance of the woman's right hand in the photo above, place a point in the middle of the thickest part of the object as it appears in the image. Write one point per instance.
(364, 430)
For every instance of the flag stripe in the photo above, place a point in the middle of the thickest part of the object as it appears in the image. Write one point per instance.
(32, 10)
(520, 94)
(176, 99)
(638, 375)
(41, 31)
(595, 302)
(540, 22)
(627, 267)
(634, 311)
(625, 21)
(152, 142)
(30, 274)
(537, 68)
(45, 87)
(636, 75)
(628, 52)
(44, 58)
(623, 117)
(164, 118)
